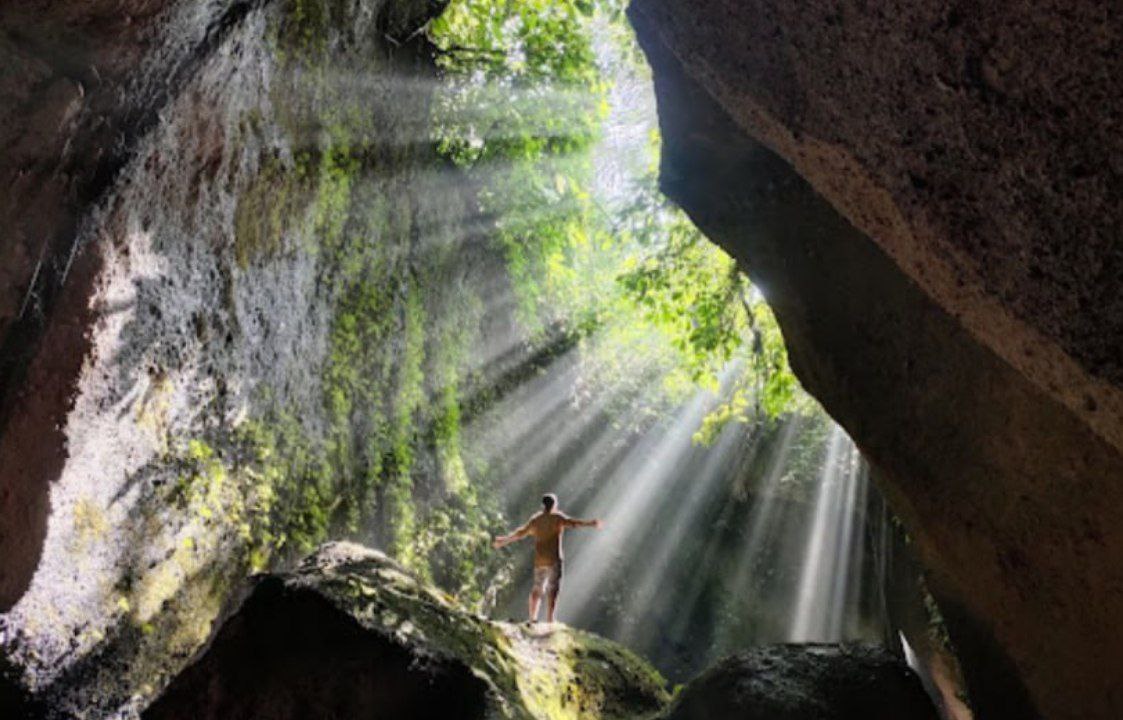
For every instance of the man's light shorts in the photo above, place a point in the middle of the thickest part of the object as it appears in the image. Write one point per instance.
(547, 579)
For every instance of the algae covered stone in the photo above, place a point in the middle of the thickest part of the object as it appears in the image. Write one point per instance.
(350, 633)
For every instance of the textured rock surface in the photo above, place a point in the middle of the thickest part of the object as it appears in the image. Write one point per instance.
(954, 137)
(67, 130)
(241, 355)
(943, 276)
(146, 119)
(349, 634)
(805, 682)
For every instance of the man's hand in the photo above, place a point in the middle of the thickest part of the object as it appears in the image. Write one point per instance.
(598, 523)
(500, 541)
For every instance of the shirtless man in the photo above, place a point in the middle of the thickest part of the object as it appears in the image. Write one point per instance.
(546, 527)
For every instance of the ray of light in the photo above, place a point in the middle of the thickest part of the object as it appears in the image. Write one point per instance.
(541, 446)
(764, 516)
(661, 550)
(469, 105)
(629, 498)
(830, 545)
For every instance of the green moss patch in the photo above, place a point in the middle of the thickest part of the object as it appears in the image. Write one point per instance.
(540, 672)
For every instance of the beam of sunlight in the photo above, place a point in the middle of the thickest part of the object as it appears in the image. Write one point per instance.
(533, 109)
(628, 498)
(663, 542)
(530, 404)
(764, 516)
(545, 444)
(831, 541)
(688, 602)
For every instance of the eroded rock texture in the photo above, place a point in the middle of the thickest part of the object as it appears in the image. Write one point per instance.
(63, 129)
(243, 309)
(806, 682)
(350, 635)
(929, 197)
(146, 120)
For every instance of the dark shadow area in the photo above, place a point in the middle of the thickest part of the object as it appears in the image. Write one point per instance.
(15, 702)
(806, 682)
(292, 654)
(992, 668)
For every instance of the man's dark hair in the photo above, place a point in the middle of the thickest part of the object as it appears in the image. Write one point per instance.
(549, 500)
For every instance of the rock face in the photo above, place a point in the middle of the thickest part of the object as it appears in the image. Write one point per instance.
(70, 62)
(349, 634)
(133, 130)
(805, 682)
(928, 197)
(251, 326)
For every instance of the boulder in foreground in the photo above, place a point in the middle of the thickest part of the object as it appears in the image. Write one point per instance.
(349, 634)
(806, 682)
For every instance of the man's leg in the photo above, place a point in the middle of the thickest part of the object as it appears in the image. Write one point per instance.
(552, 591)
(535, 600)
(551, 603)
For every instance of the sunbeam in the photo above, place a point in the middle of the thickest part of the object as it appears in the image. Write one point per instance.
(628, 498)
(833, 538)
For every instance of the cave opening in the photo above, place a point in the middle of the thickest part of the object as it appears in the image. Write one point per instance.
(388, 276)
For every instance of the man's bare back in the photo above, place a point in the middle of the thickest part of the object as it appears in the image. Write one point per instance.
(547, 528)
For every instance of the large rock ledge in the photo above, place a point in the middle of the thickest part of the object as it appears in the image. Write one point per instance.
(806, 682)
(1010, 488)
(977, 144)
(350, 635)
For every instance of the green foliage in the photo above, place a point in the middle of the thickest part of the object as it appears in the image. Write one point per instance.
(684, 285)
(266, 210)
(522, 80)
(651, 296)
(658, 314)
(517, 40)
(407, 399)
(307, 25)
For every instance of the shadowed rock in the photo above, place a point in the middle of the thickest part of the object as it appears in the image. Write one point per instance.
(806, 682)
(15, 701)
(351, 635)
(895, 182)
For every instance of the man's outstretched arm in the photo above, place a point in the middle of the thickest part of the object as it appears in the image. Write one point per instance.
(519, 534)
(576, 522)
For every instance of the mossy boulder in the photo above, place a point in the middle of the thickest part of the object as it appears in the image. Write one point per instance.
(351, 634)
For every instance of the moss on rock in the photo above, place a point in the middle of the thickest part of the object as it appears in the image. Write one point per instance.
(384, 612)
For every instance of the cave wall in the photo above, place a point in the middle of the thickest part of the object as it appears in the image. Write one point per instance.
(952, 137)
(944, 280)
(252, 325)
(63, 125)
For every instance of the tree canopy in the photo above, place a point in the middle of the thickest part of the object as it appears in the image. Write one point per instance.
(527, 114)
